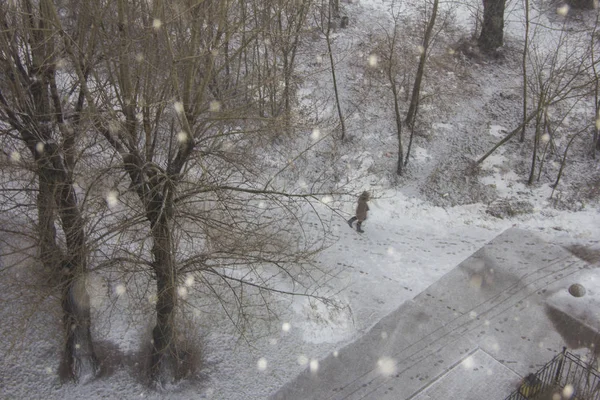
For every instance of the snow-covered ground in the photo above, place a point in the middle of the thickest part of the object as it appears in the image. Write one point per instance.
(409, 243)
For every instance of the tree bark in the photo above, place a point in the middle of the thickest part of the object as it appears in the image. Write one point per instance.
(400, 165)
(79, 362)
(524, 66)
(335, 86)
(416, 92)
(492, 29)
(165, 357)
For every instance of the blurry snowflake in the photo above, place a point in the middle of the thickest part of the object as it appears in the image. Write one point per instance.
(451, 51)
(315, 135)
(545, 138)
(182, 292)
(319, 59)
(472, 315)
(157, 23)
(214, 106)
(314, 366)
(384, 335)
(178, 106)
(568, 391)
(302, 360)
(139, 57)
(563, 10)
(373, 60)
(421, 49)
(286, 327)
(39, 147)
(77, 346)
(468, 363)
(390, 250)
(336, 353)
(386, 366)
(112, 198)
(152, 299)
(326, 199)
(189, 280)
(120, 289)
(182, 137)
(261, 364)
(49, 370)
(15, 156)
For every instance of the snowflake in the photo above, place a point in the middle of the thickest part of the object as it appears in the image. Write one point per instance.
(189, 280)
(112, 198)
(39, 147)
(315, 135)
(15, 156)
(182, 292)
(178, 106)
(563, 10)
(182, 137)
(386, 366)
(314, 366)
(261, 364)
(373, 60)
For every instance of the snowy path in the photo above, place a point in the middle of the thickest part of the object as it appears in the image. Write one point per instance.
(473, 334)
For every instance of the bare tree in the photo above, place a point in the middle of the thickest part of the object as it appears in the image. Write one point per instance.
(39, 108)
(392, 70)
(190, 155)
(327, 24)
(416, 91)
(524, 67)
(492, 28)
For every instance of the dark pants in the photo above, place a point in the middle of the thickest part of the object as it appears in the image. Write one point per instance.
(358, 224)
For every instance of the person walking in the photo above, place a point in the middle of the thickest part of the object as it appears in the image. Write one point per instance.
(361, 211)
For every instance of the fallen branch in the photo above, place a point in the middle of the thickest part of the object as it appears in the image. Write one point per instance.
(507, 138)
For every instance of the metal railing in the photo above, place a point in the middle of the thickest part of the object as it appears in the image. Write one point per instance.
(566, 370)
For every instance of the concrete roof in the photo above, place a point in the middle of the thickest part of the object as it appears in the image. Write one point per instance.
(471, 335)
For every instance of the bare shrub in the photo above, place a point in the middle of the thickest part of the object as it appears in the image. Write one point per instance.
(455, 182)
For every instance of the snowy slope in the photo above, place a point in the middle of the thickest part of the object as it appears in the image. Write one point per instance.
(407, 246)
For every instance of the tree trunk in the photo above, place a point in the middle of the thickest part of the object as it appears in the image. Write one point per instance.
(79, 362)
(524, 66)
(165, 359)
(400, 165)
(416, 92)
(492, 29)
(335, 86)
(536, 140)
(50, 253)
